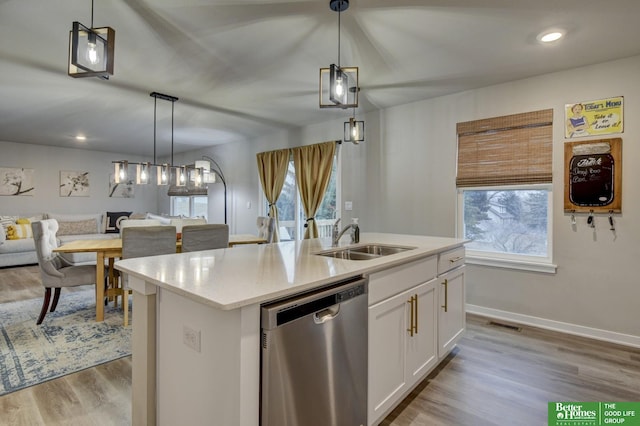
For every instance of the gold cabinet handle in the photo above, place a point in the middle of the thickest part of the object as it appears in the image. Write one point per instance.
(455, 259)
(410, 329)
(416, 322)
(446, 290)
(413, 327)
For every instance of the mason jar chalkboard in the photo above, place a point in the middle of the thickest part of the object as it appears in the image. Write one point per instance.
(591, 179)
(593, 175)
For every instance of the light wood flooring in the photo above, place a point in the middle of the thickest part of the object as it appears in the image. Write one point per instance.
(496, 376)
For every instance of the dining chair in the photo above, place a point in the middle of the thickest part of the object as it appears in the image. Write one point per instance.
(56, 272)
(266, 226)
(204, 237)
(143, 241)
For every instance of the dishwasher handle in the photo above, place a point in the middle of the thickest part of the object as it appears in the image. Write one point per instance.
(325, 315)
(323, 304)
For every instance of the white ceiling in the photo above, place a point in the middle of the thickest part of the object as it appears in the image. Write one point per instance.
(242, 68)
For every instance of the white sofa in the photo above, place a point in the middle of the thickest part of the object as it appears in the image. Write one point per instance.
(72, 227)
(78, 227)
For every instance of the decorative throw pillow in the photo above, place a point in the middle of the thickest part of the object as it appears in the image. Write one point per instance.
(19, 231)
(79, 227)
(112, 221)
(75, 217)
(5, 221)
(163, 219)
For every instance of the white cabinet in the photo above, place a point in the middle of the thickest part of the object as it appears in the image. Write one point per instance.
(402, 332)
(451, 311)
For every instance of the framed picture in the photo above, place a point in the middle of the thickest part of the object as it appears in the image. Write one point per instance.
(16, 181)
(74, 184)
(593, 118)
(593, 176)
(120, 190)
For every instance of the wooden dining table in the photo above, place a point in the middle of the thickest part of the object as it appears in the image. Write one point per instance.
(111, 249)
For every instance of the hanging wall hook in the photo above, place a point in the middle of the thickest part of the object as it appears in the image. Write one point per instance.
(590, 220)
(573, 217)
(611, 224)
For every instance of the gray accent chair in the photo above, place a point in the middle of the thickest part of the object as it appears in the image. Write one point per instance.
(266, 226)
(55, 271)
(143, 241)
(204, 237)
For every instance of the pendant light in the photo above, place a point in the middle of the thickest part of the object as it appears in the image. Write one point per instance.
(338, 84)
(354, 130)
(91, 50)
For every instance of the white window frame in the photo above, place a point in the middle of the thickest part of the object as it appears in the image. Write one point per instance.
(510, 260)
(191, 204)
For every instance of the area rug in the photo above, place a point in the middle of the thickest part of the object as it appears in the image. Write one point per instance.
(68, 340)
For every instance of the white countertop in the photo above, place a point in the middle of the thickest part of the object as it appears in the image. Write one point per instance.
(244, 275)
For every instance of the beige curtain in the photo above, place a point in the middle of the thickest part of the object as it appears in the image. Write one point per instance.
(313, 165)
(272, 169)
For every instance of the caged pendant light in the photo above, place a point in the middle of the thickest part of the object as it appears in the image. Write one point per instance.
(353, 130)
(91, 50)
(338, 84)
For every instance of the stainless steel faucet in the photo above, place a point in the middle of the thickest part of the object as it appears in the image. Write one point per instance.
(338, 234)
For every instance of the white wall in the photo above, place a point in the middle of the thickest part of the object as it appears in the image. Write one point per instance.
(402, 179)
(47, 163)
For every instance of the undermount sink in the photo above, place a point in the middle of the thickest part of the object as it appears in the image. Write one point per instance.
(366, 252)
(380, 250)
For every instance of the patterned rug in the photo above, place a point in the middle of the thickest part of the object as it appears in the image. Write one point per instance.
(68, 340)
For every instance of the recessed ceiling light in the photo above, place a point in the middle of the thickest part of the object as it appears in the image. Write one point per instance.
(550, 36)
(81, 138)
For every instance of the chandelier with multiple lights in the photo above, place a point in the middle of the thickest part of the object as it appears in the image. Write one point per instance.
(166, 173)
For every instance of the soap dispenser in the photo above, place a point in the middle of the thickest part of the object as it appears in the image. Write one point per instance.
(355, 231)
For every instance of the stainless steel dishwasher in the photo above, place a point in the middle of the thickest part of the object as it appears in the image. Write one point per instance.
(314, 358)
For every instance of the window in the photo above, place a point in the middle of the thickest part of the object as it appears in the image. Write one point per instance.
(189, 206)
(508, 223)
(504, 190)
(291, 214)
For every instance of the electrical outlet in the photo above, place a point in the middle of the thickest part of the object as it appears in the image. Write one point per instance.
(348, 205)
(191, 338)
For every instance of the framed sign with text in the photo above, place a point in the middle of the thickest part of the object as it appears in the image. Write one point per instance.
(593, 118)
(593, 176)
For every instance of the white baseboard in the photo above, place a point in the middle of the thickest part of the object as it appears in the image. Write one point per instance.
(564, 327)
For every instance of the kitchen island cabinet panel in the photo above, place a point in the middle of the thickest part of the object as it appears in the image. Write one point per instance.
(451, 313)
(402, 341)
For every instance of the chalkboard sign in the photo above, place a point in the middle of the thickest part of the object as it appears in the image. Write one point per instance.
(592, 176)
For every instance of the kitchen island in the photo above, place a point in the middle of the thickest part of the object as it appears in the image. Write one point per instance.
(196, 327)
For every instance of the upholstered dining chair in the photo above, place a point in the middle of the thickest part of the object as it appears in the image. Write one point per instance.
(266, 226)
(143, 241)
(204, 237)
(55, 271)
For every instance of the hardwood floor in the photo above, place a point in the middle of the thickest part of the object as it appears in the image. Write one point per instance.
(496, 376)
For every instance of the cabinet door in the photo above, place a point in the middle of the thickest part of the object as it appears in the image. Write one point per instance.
(387, 362)
(451, 317)
(422, 347)
(397, 359)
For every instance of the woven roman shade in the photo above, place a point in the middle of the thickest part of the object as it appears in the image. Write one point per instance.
(510, 150)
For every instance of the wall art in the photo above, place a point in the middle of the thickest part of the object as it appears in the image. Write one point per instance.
(121, 190)
(74, 184)
(593, 118)
(15, 181)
